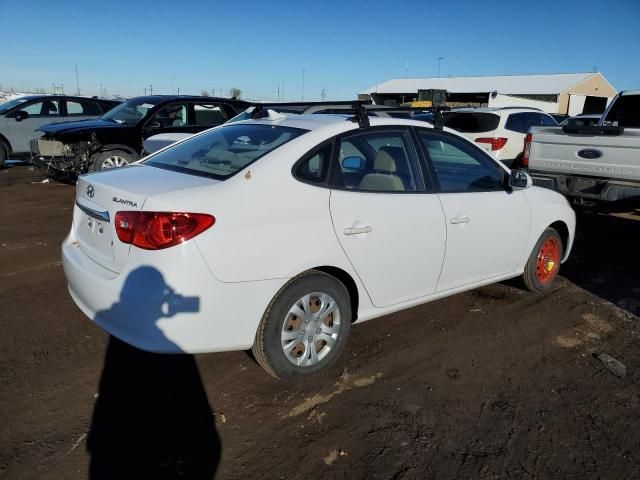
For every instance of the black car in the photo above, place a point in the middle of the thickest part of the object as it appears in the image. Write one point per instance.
(115, 139)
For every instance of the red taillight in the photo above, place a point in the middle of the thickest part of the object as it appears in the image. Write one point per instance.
(496, 142)
(157, 230)
(524, 163)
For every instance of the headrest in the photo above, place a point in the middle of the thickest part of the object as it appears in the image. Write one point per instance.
(384, 162)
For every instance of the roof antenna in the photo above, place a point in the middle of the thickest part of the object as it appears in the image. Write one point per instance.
(361, 116)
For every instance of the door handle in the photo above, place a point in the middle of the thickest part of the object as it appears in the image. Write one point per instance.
(455, 220)
(357, 230)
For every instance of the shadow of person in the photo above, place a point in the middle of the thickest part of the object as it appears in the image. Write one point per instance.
(152, 418)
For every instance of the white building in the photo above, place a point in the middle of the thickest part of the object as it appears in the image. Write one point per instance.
(570, 93)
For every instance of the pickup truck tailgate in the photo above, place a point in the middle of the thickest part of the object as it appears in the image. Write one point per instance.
(612, 156)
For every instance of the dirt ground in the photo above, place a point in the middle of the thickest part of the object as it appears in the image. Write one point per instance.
(492, 383)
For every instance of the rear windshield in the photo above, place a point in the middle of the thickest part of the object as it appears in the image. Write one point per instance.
(224, 151)
(625, 112)
(471, 122)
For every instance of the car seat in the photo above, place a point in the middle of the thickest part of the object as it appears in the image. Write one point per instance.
(384, 176)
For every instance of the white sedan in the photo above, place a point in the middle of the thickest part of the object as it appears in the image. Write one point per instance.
(277, 234)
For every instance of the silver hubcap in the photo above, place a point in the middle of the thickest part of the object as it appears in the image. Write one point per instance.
(113, 162)
(310, 329)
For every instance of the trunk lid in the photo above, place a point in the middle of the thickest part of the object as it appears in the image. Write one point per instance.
(100, 195)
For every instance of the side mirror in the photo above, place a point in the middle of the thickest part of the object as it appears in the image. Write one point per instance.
(21, 115)
(519, 179)
(353, 163)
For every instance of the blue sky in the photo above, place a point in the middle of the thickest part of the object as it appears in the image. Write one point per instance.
(344, 46)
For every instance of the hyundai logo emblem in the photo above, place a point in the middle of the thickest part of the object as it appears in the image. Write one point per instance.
(90, 191)
(589, 153)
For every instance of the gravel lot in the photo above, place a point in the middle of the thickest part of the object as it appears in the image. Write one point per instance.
(492, 383)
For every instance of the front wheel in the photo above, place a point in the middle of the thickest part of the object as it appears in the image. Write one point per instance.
(111, 159)
(304, 328)
(544, 263)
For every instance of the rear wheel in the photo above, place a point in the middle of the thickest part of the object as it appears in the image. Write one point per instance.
(111, 159)
(305, 327)
(544, 263)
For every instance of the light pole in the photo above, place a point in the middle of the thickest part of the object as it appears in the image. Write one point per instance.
(439, 62)
(303, 70)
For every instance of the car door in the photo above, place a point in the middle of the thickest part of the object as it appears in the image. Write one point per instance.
(487, 224)
(81, 109)
(388, 223)
(29, 116)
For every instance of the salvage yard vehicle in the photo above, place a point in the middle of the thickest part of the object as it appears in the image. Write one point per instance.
(499, 130)
(277, 233)
(115, 139)
(592, 165)
(19, 118)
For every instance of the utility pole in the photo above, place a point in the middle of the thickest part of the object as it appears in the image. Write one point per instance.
(439, 62)
(77, 81)
(278, 91)
(323, 94)
(178, 90)
(100, 90)
(283, 91)
(150, 89)
(145, 91)
(303, 70)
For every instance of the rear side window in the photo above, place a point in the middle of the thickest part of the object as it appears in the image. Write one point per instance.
(518, 122)
(314, 166)
(471, 122)
(222, 152)
(208, 114)
(80, 107)
(625, 112)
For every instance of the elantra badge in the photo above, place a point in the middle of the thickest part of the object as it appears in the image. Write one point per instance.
(90, 191)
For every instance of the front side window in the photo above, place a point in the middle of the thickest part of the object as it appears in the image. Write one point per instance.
(131, 111)
(222, 152)
(173, 115)
(460, 167)
(42, 108)
(380, 161)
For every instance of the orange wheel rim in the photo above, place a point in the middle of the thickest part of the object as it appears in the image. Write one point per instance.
(548, 260)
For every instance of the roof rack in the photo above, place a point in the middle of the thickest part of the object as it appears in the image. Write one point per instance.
(361, 117)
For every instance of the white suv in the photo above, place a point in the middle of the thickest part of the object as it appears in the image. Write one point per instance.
(500, 131)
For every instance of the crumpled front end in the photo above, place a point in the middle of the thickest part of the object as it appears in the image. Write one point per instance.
(63, 157)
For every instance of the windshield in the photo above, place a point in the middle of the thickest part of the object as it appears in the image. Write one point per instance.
(224, 151)
(5, 107)
(131, 111)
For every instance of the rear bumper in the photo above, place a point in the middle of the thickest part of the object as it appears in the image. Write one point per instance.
(167, 301)
(588, 188)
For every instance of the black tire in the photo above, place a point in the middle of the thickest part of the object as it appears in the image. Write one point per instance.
(538, 274)
(267, 347)
(101, 161)
(4, 153)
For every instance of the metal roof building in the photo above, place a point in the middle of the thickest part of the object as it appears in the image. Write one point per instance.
(557, 93)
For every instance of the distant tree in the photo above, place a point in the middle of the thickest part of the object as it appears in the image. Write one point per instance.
(235, 92)
(204, 93)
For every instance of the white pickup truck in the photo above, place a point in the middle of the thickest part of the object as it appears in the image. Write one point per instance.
(590, 165)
